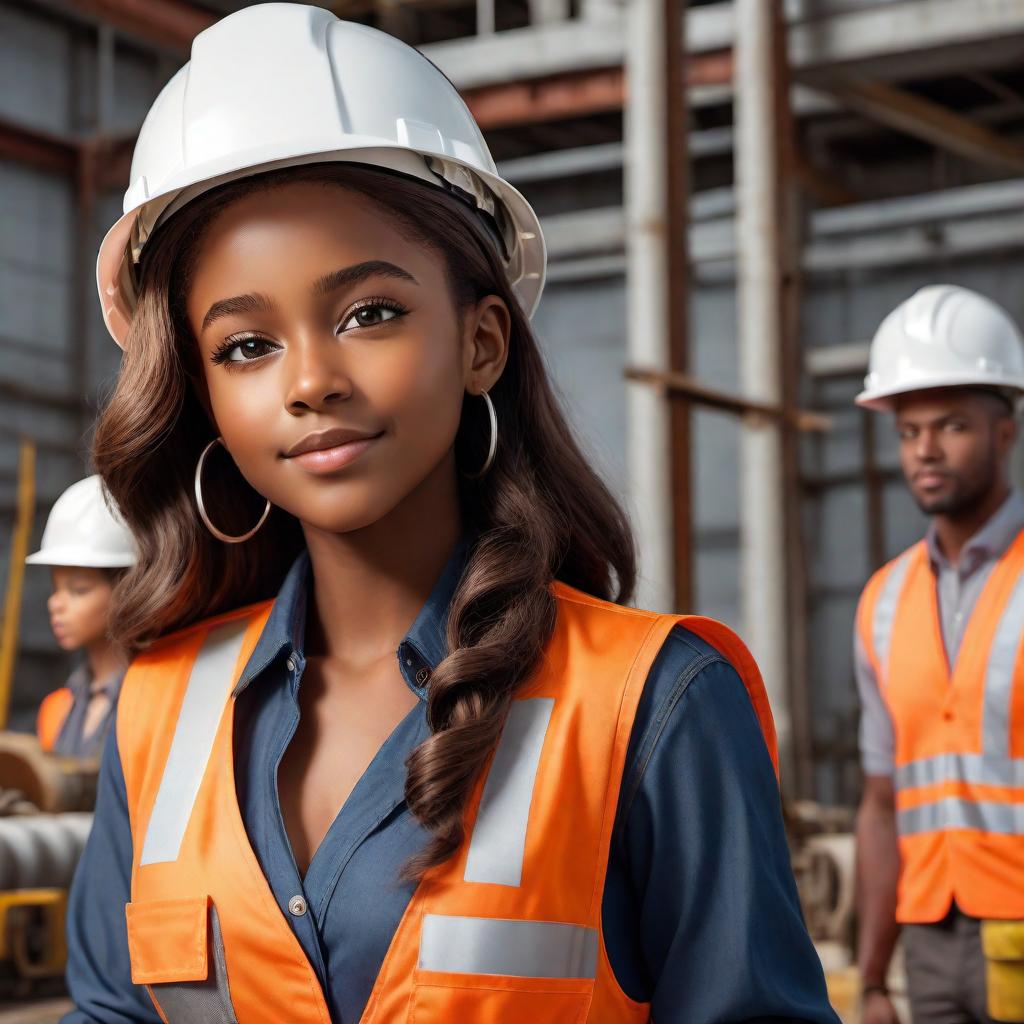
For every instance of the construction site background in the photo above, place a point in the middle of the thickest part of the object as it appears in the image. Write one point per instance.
(733, 193)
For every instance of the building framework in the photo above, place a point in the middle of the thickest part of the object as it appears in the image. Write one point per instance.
(734, 194)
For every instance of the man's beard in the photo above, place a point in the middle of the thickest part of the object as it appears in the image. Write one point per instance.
(964, 497)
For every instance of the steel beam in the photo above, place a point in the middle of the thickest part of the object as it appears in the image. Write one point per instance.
(39, 150)
(167, 23)
(918, 37)
(575, 94)
(914, 115)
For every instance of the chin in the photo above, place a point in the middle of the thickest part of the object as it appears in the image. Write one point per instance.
(938, 504)
(342, 515)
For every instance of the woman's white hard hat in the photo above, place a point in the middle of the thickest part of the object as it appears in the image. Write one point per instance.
(943, 336)
(83, 529)
(279, 85)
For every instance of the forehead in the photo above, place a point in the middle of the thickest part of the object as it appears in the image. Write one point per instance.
(77, 574)
(922, 406)
(289, 234)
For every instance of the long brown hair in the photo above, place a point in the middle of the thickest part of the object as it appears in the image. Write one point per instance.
(539, 514)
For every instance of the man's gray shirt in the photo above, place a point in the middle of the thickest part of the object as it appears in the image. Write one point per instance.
(959, 587)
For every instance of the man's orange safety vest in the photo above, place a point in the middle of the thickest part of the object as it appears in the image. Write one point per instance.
(959, 773)
(53, 713)
(506, 930)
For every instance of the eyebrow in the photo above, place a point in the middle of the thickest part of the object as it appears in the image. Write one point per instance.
(255, 303)
(258, 303)
(352, 275)
(936, 421)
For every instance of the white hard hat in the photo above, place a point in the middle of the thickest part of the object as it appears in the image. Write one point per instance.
(943, 336)
(83, 529)
(280, 85)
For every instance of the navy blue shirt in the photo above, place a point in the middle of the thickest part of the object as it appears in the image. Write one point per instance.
(700, 911)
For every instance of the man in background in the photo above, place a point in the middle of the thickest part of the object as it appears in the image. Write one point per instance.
(940, 830)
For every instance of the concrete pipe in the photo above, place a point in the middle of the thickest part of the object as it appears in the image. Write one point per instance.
(41, 851)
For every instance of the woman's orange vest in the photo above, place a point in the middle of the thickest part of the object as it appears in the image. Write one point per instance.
(959, 776)
(507, 930)
(53, 713)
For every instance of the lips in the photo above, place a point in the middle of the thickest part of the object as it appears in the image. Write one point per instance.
(330, 450)
(333, 438)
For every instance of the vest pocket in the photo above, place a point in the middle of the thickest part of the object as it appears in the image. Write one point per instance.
(494, 999)
(177, 951)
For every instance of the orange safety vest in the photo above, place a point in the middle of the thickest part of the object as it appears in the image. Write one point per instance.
(52, 715)
(507, 930)
(959, 773)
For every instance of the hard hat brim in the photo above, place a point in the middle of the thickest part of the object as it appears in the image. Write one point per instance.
(883, 399)
(79, 558)
(368, 151)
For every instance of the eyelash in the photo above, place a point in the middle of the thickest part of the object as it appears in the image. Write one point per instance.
(223, 352)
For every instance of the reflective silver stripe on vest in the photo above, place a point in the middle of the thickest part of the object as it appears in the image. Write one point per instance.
(1002, 659)
(885, 612)
(194, 733)
(954, 813)
(519, 949)
(200, 1002)
(974, 768)
(499, 835)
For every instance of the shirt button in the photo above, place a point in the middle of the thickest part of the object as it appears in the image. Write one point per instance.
(422, 676)
(947, 714)
(291, 664)
(297, 906)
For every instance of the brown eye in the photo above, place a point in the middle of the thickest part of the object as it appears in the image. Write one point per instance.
(372, 315)
(240, 350)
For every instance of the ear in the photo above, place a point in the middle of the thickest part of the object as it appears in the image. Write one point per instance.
(1006, 434)
(486, 330)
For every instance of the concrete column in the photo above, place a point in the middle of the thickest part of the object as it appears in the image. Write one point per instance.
(648, 452)
(762, 485)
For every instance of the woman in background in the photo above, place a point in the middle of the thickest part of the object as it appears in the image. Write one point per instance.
(87, 549)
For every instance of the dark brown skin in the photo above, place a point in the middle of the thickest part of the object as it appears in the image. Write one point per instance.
(380, 528)
(954, 448)
(878, 866)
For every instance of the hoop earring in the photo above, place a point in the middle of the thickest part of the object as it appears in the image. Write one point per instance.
(493, 447)
(202, 507)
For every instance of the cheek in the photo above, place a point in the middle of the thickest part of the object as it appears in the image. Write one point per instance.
(422, 391)
(246, 406)
(89, 612)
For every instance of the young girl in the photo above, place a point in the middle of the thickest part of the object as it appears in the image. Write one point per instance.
(380, 757)
(87, 550)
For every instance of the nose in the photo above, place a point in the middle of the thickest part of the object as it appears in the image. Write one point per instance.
(53, 603)
(927, 448)
(318, 377)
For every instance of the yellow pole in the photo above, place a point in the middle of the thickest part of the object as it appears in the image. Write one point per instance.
(16, 573)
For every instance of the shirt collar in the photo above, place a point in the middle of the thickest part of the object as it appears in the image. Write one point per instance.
(424, 647)
(991, 541)
(80, 683)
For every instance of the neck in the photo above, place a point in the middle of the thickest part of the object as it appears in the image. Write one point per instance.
(370, 584)
(104, 659)
(955, 531)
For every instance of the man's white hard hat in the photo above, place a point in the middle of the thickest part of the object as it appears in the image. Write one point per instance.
(83, 529)
(279, 85)
(943, 336)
